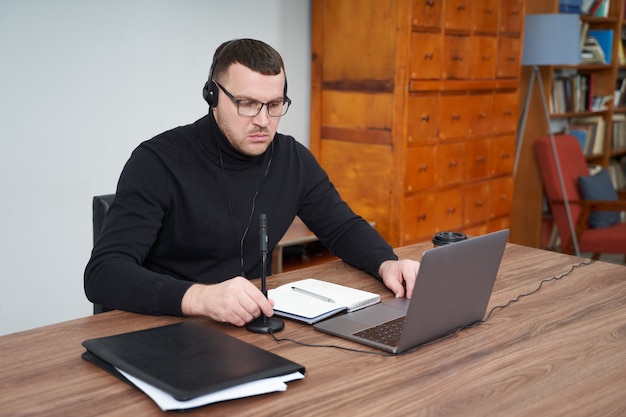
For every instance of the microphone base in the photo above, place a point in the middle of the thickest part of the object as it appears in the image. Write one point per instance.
(265, 325)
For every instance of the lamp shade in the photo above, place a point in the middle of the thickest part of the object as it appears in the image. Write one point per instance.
(551, 39)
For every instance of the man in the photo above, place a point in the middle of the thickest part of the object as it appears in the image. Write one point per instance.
(182, 235)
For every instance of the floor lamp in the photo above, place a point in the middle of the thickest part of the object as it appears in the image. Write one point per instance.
(549, 39)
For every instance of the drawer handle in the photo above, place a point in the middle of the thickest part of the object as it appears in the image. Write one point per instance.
(456, 116)
(486, 57)
(489, 11)
(429, 56)
(457, 57)
(502, 197)
(430, 3)
(451, 210)
(508, 112)
(425, 118)
(480, 203)
(421, 217)
(422, 168)
(482, 115)
(480, 159)
(510, 59)
(506, 155)
(453, 164)
(461, 7)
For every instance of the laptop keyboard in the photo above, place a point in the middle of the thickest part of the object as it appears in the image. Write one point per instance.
(387, 333)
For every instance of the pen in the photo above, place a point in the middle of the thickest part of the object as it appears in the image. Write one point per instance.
(312, 294)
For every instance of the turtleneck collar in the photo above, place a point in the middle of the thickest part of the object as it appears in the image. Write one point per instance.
(216, 145)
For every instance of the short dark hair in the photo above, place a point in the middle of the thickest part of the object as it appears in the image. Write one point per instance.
(251, 53)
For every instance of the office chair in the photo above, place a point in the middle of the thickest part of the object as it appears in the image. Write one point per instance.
(100, 206)
(608, 236)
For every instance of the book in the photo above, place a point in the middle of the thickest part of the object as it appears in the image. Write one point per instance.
(312, 300)
(618, 133)
(184, 365)
(570, 6)
(595, 141)
(599, 8)
(587, 5)
(592, 52)
(582, 133)
(605, 40)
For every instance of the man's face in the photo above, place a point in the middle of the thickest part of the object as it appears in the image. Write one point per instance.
(248, 135)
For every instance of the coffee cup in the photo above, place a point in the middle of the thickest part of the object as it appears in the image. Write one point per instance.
(446, 238)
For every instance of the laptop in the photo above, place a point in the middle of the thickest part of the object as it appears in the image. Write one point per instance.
(452, 290)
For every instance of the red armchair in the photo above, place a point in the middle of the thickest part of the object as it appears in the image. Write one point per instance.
(610, 239)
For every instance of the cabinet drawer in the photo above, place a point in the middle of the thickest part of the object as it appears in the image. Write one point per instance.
(477, 160)
(480, 108)
(508, 58)
(503, 151)
(453, 116)
(501, 197)
(499, 224)
(426, 13)
(457, 15)
(418, 218)
(511, 16)
(420, 168)
(477, 230)
(449, 210)
(456, 57)
(505, 111)
(476, 204)
(484, 55)
(426, 55)
(485, 15)
(422, 119)
(450, 164)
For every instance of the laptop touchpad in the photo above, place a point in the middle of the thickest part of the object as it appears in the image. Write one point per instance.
(379, 313)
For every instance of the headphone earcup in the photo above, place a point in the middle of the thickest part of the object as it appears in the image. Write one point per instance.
(210, 93)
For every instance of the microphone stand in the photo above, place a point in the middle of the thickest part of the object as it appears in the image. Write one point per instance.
(264, 324)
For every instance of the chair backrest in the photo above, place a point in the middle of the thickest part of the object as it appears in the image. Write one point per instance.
(573, 165)
(100, 206)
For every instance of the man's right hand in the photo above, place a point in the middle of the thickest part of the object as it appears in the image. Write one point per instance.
(236, 301)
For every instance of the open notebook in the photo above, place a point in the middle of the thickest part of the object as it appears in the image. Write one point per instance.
(311, 300)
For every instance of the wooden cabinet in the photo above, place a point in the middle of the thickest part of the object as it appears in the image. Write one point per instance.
(414, 110)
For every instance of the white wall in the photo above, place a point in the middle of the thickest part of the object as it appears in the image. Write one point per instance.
(82, 83)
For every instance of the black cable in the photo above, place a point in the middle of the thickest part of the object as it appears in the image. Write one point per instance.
(448, 336)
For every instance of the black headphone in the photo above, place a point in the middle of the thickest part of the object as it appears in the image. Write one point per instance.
(210, 91)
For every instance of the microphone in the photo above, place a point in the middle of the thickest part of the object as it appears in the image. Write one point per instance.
(264, 324)
(263, 234)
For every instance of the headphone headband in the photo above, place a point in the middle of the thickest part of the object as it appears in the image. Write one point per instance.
(210, 92)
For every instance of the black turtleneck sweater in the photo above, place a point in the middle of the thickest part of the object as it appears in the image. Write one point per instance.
(187, 210)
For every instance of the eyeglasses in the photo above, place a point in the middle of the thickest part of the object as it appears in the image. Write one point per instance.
(250, 108)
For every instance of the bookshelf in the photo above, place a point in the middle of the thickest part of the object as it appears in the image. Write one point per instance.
(589, 99)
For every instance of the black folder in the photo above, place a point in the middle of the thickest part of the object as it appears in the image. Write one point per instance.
(187, 359)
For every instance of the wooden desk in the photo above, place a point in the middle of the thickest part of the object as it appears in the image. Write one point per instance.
(560, 352)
